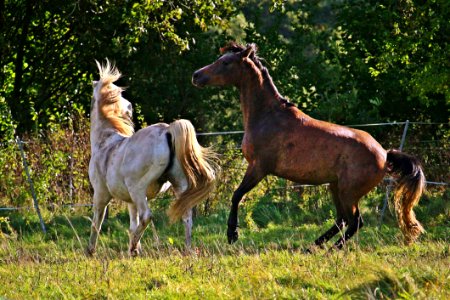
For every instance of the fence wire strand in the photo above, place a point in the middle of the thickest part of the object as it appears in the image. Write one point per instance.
(237, 154)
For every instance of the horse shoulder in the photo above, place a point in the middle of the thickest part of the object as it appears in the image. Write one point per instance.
(103, 156)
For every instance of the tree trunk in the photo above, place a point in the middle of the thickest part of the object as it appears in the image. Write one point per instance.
(21, 111)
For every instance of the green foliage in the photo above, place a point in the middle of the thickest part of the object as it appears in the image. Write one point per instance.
(57, 161)
(358, 61)
(6, 230)
(13, 188)
(347, 62)
(402, 46)
(7, 125)
(48, 50)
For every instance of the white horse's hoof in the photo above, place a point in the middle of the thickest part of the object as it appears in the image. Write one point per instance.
(134, 252)
(90, 252)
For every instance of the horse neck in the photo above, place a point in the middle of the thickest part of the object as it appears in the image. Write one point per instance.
(102, 131)
(257, 98)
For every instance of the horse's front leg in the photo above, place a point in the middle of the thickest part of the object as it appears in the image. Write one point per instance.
(101, 200)
(251, 178)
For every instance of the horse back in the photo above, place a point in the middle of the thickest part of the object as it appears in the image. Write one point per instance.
(147, 150)
(131, 162)
(306, 150)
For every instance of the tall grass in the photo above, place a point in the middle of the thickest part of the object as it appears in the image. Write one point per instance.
(266, 263)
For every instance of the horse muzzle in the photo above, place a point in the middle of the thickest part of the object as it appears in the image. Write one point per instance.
(199, 79)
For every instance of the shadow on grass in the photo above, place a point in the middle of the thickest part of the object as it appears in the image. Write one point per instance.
(388, 285)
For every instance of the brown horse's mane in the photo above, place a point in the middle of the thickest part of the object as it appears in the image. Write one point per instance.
(233, 47)
(110, 96)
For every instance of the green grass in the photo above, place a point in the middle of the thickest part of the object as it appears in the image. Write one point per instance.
(267, 262)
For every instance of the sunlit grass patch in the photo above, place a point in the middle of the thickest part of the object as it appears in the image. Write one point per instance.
(268, 261)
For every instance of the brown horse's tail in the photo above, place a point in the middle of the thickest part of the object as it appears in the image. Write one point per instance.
(198, 165)
(410, 187)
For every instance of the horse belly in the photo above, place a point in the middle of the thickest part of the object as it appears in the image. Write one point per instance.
(307, 171)
(310, 162)
(357, 164)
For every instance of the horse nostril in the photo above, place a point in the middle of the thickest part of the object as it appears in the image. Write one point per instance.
(199, 78)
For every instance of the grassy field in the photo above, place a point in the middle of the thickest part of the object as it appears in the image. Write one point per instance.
(267, 262)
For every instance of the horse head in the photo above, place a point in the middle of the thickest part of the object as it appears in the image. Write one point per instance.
(227, 70)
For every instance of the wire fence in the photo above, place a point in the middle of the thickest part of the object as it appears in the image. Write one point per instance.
(228, 141)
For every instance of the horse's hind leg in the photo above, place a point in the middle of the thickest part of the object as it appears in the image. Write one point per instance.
(349, 196)
(144, 215)
(351, 190)
(355, 222)
(187, 220)
(134, 223)
(338, 225)
(340, 222)
(101, 200)
(180, 184)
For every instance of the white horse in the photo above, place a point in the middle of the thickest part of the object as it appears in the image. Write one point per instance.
(134, 167)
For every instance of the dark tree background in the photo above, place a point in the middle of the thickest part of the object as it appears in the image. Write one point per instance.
(344, 61)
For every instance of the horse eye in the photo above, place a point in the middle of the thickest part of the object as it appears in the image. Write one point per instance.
(225, 63)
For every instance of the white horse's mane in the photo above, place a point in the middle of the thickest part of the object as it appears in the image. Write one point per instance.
(109, 95)
(108, 72)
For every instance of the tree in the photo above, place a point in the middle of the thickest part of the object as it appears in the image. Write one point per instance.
(398, 54)
(346, 62)
(356, 61)
(48, 49)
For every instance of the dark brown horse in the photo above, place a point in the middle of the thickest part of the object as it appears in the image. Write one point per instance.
(281, 140)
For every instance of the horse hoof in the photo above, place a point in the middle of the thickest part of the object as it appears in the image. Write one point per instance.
(134, 252)
(89, 252)
(232, 236)
(313, 249)
(308, 251)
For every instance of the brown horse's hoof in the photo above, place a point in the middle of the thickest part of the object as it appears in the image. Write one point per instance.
(339, 245)
(309, 250)
(312, 249)
(336, 248)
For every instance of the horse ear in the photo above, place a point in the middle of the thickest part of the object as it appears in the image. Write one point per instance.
(249, 51)
(94, 83)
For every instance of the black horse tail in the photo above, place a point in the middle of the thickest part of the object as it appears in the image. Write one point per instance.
(410, 186)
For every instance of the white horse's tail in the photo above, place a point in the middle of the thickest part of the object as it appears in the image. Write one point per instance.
(198, 165)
